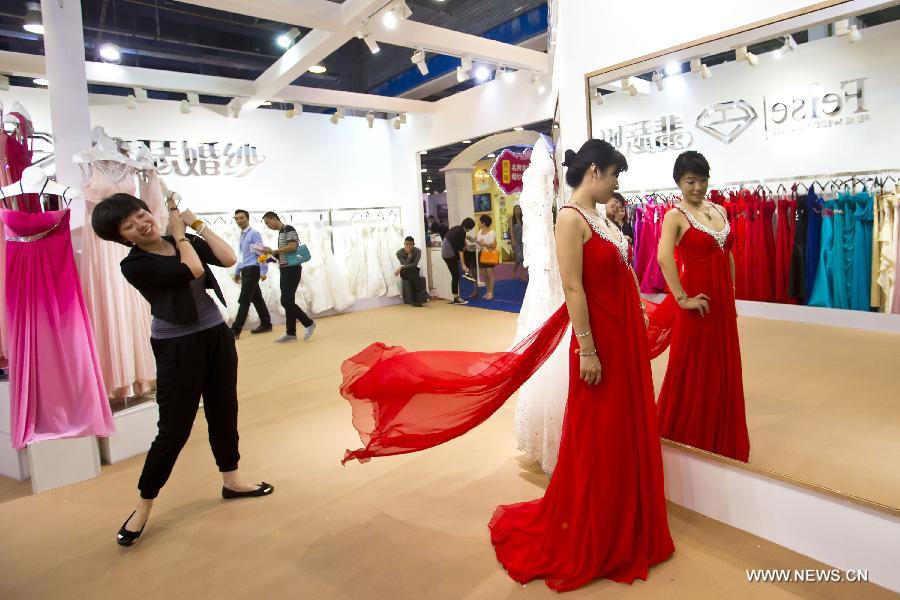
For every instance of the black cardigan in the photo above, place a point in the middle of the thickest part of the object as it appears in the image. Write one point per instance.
(164, 281)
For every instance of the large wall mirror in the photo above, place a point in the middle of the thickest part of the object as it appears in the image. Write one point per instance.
(800, 123)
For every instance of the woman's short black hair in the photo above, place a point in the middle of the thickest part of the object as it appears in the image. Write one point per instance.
(109, 214)
(690, 162)
(593, 152)
(486, 220)
(468, 223)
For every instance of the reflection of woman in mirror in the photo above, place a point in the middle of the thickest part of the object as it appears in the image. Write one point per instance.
(515, 238)
(701, 402)
(486, 240)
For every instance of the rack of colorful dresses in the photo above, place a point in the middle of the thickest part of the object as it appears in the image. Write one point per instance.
(826, 241)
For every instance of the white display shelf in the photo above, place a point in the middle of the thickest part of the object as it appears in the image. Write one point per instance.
(57, 463)
(135, 431)
(13, 463)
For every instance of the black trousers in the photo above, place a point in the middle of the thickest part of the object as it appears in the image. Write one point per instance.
(290, 281)
(454, 265)
(188, 367)
(411, 274)
(250, 293)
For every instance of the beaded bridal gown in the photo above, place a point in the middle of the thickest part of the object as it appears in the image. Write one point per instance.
(542, 399)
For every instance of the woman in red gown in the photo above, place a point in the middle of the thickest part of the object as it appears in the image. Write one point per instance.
(604, 512)
(701, 402)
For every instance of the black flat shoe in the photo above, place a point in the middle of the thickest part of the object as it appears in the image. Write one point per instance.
(128, 538)
(262, 329)
(264, 489)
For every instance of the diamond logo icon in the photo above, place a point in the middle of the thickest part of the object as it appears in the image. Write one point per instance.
(725, 121)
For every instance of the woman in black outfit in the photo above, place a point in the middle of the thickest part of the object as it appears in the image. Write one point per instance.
(194, 348)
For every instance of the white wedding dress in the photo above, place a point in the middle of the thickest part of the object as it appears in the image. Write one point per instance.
(541, 404)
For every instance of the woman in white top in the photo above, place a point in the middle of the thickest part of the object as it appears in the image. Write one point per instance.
(486, 240)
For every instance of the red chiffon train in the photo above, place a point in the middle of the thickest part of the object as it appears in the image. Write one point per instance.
(604, 512)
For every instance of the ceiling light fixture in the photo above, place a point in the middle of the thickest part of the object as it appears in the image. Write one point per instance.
(33, 21)
(599, 99)
(855, 34)
(291, 112)
(4, 83)
(705, 72)
(285, 40)
(337, 116)
(370, 119)
(657, 78)
(41, 81)
(518, 129)
(130, 102)
(318, 69)
(185, 107)
(110, 53)
(397, 12)
(193, 98)
(140, 94)
(467, 141)
(740, 53)
(370, 41)
(752, 59)
(673, 68)
(508, 75)
(695, 65)
(418, 59)
(424, 170)
(790, 44)
(482, 74)
(492, 155)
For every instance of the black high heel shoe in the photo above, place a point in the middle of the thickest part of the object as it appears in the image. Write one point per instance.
(128, 538)
(264, 489)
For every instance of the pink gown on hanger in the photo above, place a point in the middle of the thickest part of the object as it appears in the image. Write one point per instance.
(5, 179)
(121, 317)
(56, 386)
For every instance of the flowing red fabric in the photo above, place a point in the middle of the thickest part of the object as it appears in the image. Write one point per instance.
(701, 402)
(409, 401)
(604, 512)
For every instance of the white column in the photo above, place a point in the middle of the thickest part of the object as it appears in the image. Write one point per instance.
(69, 113)
(459, 195)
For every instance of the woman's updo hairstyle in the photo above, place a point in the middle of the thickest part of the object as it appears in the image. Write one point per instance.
(593, 152)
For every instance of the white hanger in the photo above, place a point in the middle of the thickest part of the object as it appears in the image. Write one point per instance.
(104, 148)
(142, 157)
(35, 181)
(17, 107)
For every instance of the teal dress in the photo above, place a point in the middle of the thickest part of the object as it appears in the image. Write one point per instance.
(842, 252)
(861, 268)
(822, 288)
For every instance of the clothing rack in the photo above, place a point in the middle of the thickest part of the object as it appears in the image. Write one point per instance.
(831, 179)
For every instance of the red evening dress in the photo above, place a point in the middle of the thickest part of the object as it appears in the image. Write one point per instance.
(701, 402)
(604, 512)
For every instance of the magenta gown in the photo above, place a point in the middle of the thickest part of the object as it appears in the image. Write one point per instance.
(56, 384)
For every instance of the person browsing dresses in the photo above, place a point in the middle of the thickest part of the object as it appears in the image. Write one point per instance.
(288, 242)
(409, 257)
(248, 273)
(194, 348)
(486, 241)
(453, 252)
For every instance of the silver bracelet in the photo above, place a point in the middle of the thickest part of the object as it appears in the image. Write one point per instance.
(592, 353)
(585, 334)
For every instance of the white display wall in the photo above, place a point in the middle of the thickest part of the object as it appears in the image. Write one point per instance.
(788, 117)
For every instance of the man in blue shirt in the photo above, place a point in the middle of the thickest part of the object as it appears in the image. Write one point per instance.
(247, 272)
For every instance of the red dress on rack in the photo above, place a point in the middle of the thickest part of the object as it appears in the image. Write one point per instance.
(784, 248)
(701, 402)
(604, 512)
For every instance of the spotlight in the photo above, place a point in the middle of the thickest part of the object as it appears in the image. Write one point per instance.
(842, 27)
(337, 116)
(424, 170)
(673, 68)
(695, 65)
(752, 59)
(855, 34)
(740, 53)
(418, 59)
(482, 74)
(33, 22)
(461, 75)
(657, 79)
(266, 103)
(492, 155)
(629, 87)
(286, 39)
(429, 180)
(396, 123)
(402, 118)
(140, 94)
(705, 72)
(318, 69)
(370, 42)
(518, 129)
(291, 112)
(423, 152)
(110, 53)
(4, 83)
(790, 44)
(185, 107)
(467, 141)
(508, 75)
(370, 119)
(234, 107)
(599, 99)
(193, 99)
(131, 102)
(778, 54)
(41, 81)
(399, 10)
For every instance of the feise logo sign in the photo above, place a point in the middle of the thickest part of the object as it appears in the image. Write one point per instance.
(844, 105)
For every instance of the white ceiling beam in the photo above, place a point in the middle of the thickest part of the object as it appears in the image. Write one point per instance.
(32, 65)
(313, 14)
(453, 43)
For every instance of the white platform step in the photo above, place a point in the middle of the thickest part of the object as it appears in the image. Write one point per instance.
(135, 431)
